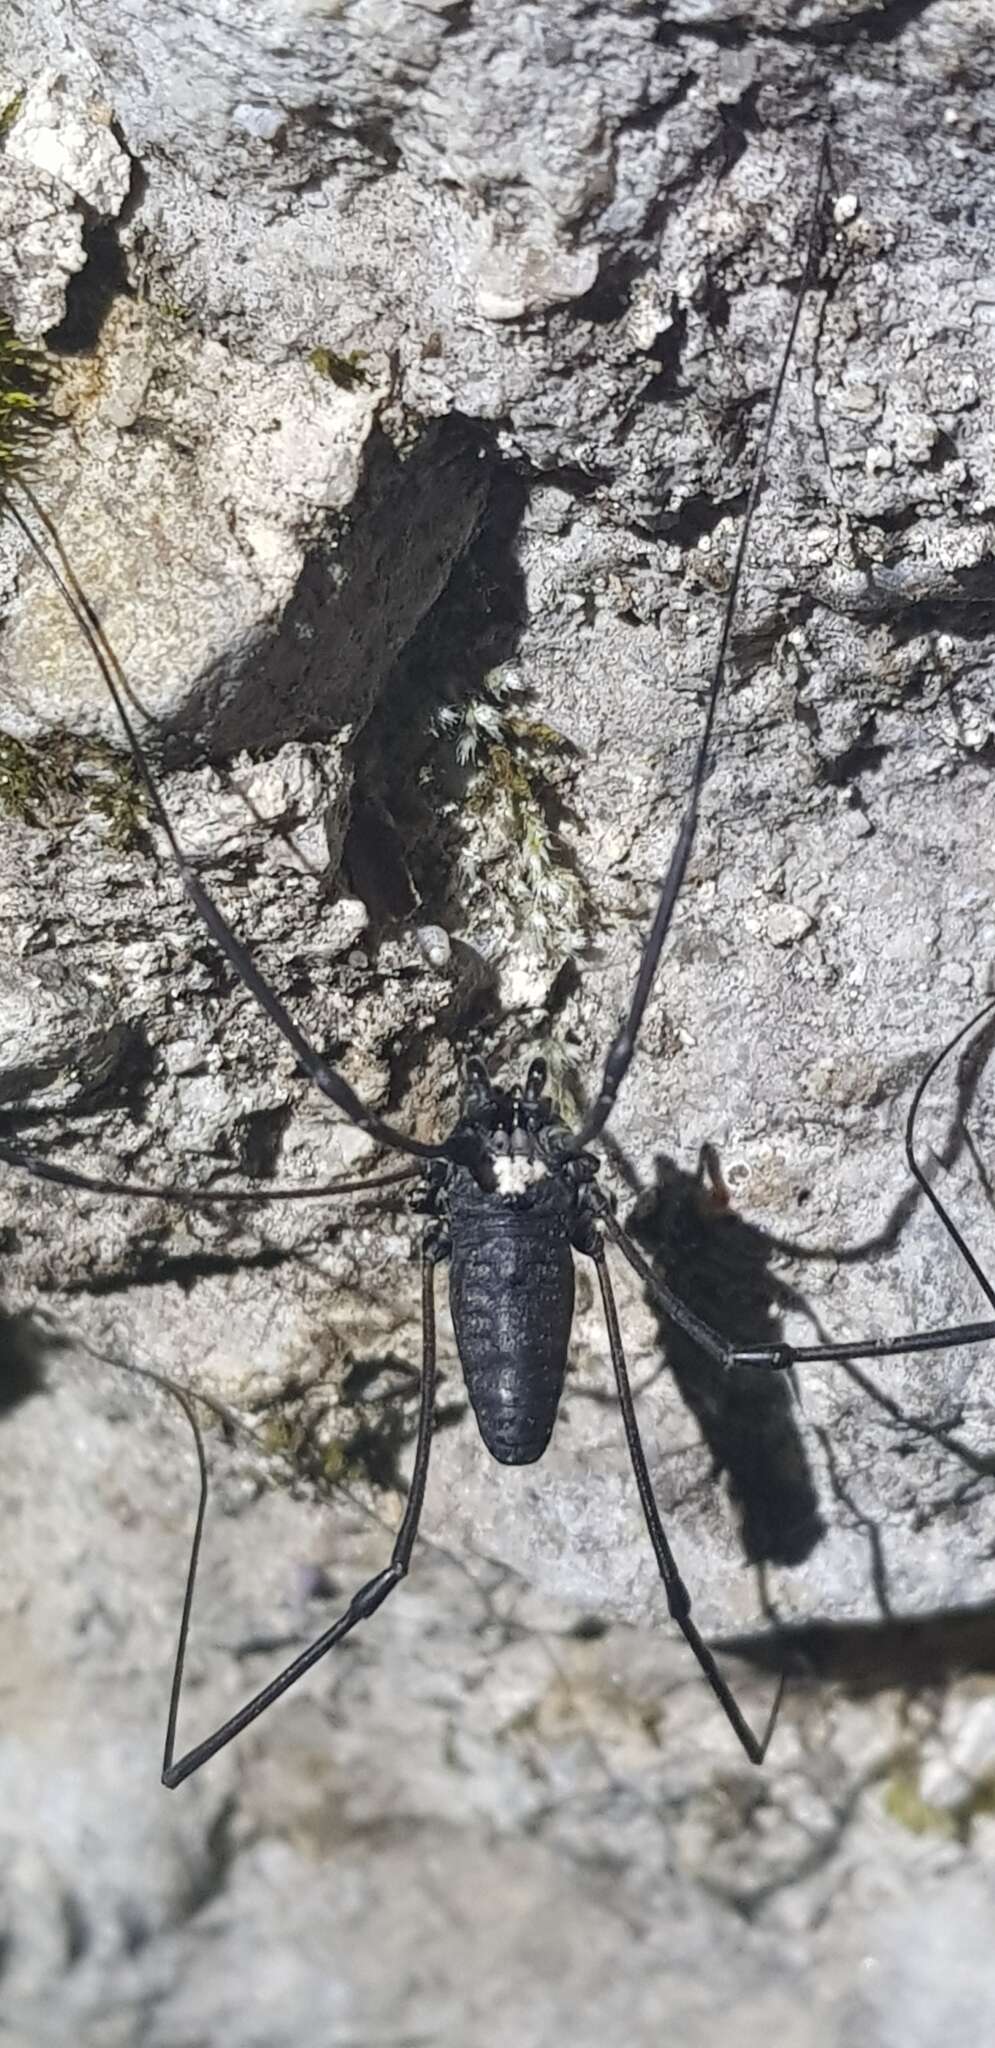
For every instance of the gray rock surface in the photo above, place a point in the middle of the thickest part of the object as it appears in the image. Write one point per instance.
(412, 383)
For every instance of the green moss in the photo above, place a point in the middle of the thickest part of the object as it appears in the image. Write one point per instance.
(535, 732)
(58, 780)
(119, 798)
(512, 786)
(369, 1451)
(980, 1801)
(15, 778)
(36, 782)
(344, 371)
(277, 1437)
(904, 1802)
(25, 378)
(9, 113)
(335, 1462)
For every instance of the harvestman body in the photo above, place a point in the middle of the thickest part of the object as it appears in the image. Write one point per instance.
(509, 1197)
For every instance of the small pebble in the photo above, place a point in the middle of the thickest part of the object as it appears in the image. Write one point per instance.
(785, 922)
(434, 943)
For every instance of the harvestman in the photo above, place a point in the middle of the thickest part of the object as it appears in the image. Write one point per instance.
(509, 1196)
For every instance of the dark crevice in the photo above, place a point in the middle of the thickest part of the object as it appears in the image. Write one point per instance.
(259, 1136)
(755, 644)
(360, 1380)
(361, 600)
(971, 618)
(901, 520)
(128, 1063)
(506, 1050)
(408, 783)
(76, 1930)
(22, 1348)
(608, 298)
(376, 137)
(944, 450)
(386, 1421)
(961, 602)
(700, 515)
(861, 758)
(567, 984)
(740, 119)
(712, 300)
(578, 483)
(646, 118)
(208, 1881)
(374, 859)
(469, 1016)
(666, 350)
(590, 1628)
(373, 137)
(732, 34)
(874, 25)
(91, 293)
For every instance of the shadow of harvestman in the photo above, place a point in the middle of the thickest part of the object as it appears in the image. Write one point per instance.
(722, 1267)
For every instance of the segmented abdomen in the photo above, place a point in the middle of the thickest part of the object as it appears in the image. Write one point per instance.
(511, 1290)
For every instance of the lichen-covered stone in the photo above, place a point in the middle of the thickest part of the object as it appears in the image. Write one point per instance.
(407, 485)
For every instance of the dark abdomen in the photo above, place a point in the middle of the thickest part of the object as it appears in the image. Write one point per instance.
(511, 1290)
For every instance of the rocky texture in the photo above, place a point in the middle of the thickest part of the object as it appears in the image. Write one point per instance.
(412, 388)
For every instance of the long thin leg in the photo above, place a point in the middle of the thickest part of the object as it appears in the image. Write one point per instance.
(624, 1043)
(781, 1357)
(195, 1198)
(910, 1150)
(326, 1077)
(678, 1597)
(361, 1606)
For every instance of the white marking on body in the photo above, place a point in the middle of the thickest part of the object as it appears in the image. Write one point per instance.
(513, 1176)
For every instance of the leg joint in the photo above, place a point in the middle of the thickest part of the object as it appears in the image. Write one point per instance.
(374, 1593)
(678, 1600)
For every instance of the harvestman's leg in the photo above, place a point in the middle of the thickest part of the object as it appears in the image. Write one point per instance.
(361, 1606)
(328, 1079)
(940, 1208)
(678, 1597)
(623, 1045)
(781, 1357)
(193, 1198)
